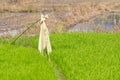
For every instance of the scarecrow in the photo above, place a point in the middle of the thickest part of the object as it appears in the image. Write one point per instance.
(44, 41)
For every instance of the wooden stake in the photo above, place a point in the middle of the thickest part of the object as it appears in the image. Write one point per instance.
(13, 42)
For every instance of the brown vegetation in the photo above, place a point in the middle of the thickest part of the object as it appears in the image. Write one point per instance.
(66, 15)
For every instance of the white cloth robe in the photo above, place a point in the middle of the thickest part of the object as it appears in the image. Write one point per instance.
(44, 41)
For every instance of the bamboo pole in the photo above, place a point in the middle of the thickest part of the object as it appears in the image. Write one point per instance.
(13, 42)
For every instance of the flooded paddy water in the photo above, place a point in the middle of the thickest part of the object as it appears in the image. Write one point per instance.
(12, 24)
(15, 23)
(102, 23)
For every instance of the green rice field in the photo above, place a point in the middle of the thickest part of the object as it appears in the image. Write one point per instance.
(79, 56)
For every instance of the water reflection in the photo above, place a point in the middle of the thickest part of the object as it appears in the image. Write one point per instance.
(100, 23)
(12, 33)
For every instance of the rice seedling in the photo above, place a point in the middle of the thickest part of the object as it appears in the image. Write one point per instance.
(79, 56)
(87, 56)
(20, 63)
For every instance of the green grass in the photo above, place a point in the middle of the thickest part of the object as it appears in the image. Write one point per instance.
(20, 63)
(80, 56)
(88, 56)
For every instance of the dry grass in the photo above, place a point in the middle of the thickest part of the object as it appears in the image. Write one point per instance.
(38, 6)
(66, 15)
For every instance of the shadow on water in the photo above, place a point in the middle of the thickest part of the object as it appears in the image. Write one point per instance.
(100, 23)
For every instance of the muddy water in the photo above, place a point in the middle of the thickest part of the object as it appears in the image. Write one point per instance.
(100, 23)
(12, 33)
(12, 24)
